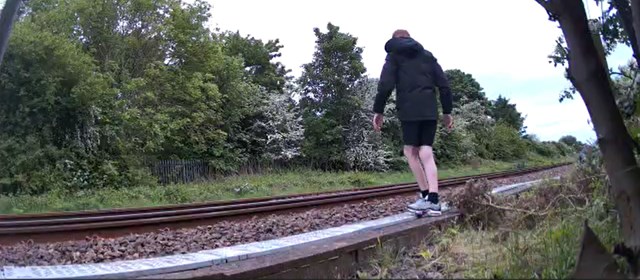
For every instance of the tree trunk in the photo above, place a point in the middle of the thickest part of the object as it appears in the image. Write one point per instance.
(625, 14)
(597, 40)
(9, 12)
(591, 79)
(635, 12)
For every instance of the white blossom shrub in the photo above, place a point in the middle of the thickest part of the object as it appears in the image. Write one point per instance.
(365, 149)
(284, 129)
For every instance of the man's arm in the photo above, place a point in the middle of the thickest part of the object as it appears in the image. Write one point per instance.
(386, 84)
(446, 98)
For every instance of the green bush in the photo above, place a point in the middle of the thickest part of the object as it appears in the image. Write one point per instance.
(30, 169)
(504, 143)
(563, 149)
(398, 163)
(542, 148)
(453, 147)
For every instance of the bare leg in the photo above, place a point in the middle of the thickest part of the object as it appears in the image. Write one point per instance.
(426, 156)
(413, 157)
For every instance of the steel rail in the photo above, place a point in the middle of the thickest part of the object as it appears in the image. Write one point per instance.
(6, 219)
(66, 226)
(133, 213)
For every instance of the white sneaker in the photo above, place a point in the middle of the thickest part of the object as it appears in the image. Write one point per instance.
(424, 206)
(420, 205)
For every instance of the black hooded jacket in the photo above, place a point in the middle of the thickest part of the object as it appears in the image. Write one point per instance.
(415, 73)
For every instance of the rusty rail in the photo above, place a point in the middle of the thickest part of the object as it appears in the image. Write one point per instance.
(117, 222)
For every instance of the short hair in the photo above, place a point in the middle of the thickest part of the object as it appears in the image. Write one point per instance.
(400, 33)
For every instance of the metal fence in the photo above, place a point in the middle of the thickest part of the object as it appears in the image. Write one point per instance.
(180, 171)
(189, 171)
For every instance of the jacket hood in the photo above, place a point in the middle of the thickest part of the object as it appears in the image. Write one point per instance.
(403, 46)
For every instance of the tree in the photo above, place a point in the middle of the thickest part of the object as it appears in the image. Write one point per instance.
(465, 88)
(124, 36)
(217, 106)
(628, 96)
(619, 27)
(506, 143)
(327, 86)
(469, 137)
(257, 56)
(283, 129)
(571, 141)
(590, 77)
(614, 27)
(531, 137)
(168, 88)
(54, 118)
(502, 110)
(365, 149)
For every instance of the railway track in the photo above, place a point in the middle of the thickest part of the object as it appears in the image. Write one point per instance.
(48, 227)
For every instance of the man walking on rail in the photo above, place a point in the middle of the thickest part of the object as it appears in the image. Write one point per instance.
(414, 72)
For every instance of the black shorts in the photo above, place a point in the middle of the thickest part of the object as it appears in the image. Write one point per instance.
(419, 133)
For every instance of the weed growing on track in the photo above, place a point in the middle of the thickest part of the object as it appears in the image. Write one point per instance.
(533, 235)
(277, 183)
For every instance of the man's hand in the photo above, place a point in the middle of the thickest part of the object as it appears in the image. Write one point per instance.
(447, 121)
(377, 122)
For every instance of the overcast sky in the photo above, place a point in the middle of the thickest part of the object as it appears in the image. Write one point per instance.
(503, 43)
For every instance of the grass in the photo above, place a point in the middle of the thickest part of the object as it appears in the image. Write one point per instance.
(420, 262)
(520, 246)
(278, 183)
(548, 251)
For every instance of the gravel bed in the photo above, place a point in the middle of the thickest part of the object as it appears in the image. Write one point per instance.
(221, 234)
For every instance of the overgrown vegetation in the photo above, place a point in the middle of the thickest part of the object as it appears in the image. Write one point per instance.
(533, 235)
(91, 91)
(612, 106)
